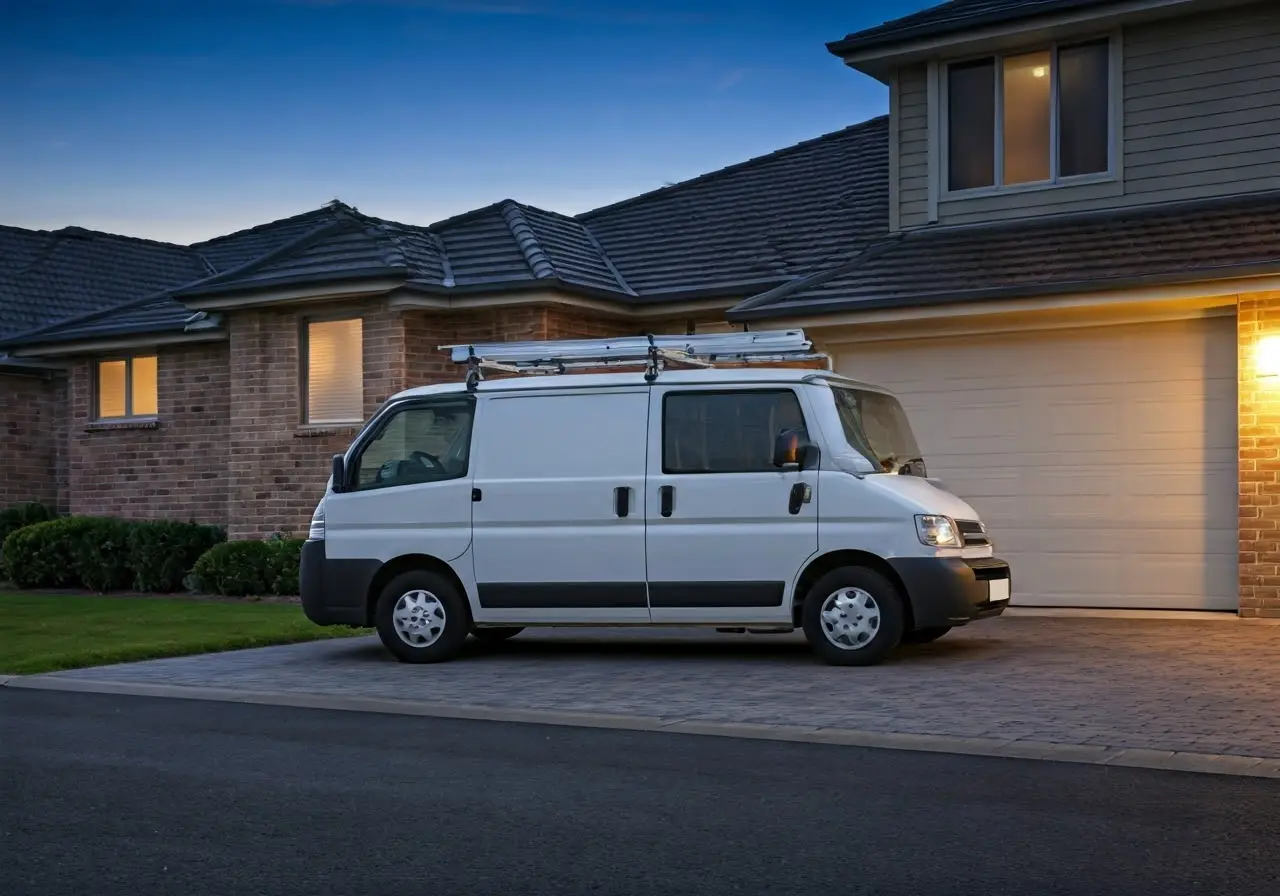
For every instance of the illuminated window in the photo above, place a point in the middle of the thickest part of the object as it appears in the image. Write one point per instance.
(333, 368)
(127, 387)
(1031, 118)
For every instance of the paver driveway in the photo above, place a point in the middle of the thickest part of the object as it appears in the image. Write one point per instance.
(1184, 686)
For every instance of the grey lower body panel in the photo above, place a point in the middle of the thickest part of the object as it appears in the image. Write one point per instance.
(949, 591)
(335, 592)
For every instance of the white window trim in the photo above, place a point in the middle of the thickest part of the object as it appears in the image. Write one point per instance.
(304, 371)
(129, 415)
(1115, 119)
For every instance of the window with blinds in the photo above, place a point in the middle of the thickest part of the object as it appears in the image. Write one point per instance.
(127, 387)
(334, 371)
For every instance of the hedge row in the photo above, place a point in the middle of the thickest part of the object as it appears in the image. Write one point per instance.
(104, 554)
(40, 550)
(240, 568)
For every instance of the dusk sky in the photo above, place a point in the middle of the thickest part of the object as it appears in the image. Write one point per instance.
(184, 119)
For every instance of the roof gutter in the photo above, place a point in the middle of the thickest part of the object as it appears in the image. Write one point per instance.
(1223, 274)
(878, 55)
(114, 343)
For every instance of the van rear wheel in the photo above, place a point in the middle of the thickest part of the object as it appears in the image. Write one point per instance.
(421, 617)
(852, 616)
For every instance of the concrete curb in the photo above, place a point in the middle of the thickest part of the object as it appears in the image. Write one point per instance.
(1163, 760)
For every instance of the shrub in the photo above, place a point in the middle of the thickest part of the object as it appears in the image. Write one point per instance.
(161, 553)
(43, 555)
(242, 568)
(100, 553)
(286, 557)
(15, 517)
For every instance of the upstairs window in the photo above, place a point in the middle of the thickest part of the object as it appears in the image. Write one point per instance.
(1029, 118)
(126, 388)
(333, 371)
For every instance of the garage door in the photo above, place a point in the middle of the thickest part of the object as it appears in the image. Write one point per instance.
(1103, 459)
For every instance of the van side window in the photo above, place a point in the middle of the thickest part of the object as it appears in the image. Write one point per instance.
(420, 443)
(726, 432)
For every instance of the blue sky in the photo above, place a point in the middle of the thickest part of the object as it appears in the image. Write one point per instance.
(183, 119)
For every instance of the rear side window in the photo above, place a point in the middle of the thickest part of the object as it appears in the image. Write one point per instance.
(419, 443)
(726, 432)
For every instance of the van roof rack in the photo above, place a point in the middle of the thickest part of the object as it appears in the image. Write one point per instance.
(655, 352)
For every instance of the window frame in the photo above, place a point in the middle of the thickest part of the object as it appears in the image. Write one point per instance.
(755, 390)
(304, 368)
(378, 425)
(129, 416)
(1115, 124)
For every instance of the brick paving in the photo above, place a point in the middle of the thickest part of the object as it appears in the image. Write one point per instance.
(1193, 686)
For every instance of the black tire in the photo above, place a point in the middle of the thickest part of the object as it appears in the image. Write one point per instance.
(496, 635)
(456, 617)
(886, 634)
(925, 635)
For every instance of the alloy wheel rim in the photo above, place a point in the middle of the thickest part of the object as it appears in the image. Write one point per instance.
(419, 618)
(850, 618)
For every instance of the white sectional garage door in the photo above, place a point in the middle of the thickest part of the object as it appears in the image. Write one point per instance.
(1103, 458)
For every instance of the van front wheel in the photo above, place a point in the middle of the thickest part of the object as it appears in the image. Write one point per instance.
(422, 618)
(852, 617)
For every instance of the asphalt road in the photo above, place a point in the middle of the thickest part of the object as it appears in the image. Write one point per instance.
(125, 795)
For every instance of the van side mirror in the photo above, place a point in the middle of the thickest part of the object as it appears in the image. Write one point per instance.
(339, 470)
(787, 449)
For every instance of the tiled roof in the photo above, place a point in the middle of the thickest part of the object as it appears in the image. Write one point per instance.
(48, 276)
(729, 232)
(765, 220)
(950, 18)
(149, 317)
(236, 249)
(486, 249)
(1207, 239)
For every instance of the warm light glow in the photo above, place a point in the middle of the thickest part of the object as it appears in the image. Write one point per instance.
(1266, 358)
(1039, 71)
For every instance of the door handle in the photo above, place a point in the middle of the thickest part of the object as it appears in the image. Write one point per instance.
(800, 495)
(666, 499)
(622, 500)
(476, 494)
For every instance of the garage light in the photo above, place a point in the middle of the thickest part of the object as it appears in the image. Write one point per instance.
(1266, 358)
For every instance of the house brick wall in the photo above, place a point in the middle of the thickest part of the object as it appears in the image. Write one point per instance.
(278, 465)
(32, 424)
(1258, 317)
(175, 468)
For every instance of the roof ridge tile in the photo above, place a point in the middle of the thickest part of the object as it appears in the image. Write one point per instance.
(527, 240)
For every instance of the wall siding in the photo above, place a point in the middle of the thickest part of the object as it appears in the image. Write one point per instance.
(912, 118)
(1201, 106)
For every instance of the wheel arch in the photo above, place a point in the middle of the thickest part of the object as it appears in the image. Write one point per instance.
(410, 563)
(825, 563)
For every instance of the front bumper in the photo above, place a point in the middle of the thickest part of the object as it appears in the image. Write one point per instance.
(335, 592)
(949, 591)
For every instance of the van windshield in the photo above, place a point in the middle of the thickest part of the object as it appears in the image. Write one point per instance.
(875, 425)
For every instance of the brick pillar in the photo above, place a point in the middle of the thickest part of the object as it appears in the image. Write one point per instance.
(1258, 342)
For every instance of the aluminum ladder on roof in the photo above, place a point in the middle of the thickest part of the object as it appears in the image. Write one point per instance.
(560, 355)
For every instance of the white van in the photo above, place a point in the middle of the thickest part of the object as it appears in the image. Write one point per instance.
(735, 497)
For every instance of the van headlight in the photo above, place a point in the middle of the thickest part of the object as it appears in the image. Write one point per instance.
(938, 531)
(316, 533)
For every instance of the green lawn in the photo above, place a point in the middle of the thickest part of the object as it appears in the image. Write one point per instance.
(43, 633)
